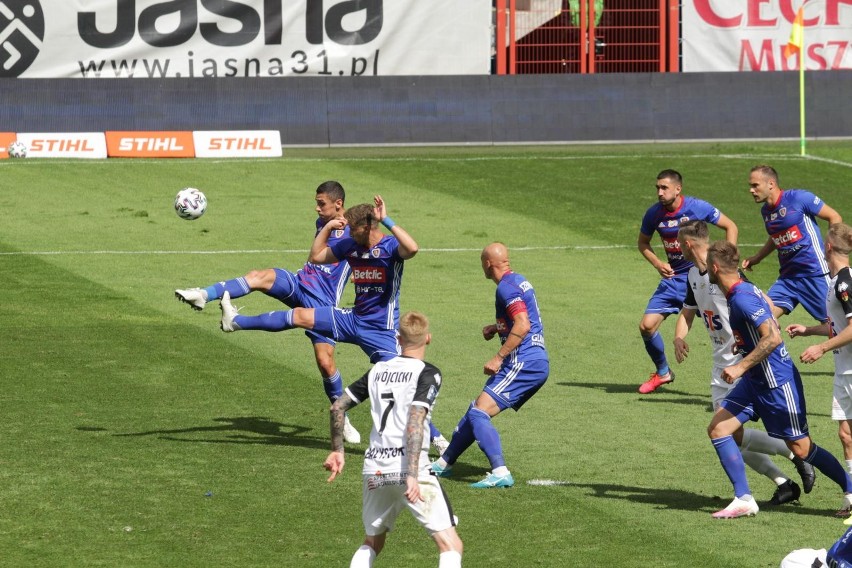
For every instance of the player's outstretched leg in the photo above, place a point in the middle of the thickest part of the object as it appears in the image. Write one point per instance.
(195, 297)
(758, 441)
(731, 459)
(489, 443)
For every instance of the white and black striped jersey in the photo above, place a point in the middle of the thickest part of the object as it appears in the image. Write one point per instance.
(392, 387)
(839, 306)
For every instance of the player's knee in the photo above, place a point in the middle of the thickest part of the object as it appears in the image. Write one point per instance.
(261, 279)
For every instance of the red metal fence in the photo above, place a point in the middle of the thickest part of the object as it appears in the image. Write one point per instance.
(586, 36)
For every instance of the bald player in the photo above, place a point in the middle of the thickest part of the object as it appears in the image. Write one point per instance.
(516, 372)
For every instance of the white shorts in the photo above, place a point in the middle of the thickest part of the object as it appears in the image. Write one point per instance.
(719, 389)
(841, 406)
(384, 498)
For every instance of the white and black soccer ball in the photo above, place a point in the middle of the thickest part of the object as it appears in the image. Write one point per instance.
(190, 203)
(17, 149)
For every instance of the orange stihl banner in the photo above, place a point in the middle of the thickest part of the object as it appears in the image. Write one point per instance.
(146, 144)
(6, 138)
(153, 144)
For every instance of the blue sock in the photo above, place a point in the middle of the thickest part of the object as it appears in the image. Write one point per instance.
(487, 436)
(462, 439)
(732, 462)
(828, 464)
(433, 432)
(657, 351)
(333, 386)
(237, 288)
(272, 321)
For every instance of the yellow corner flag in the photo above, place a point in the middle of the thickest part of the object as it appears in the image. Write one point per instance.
(796, 34)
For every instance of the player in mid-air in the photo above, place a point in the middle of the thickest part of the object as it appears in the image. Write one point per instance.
(707, 301)
(313, 285)
(377, 261)
(770, 390)
(665, 217)
(790, 217)
(838, 245)
(402, 393)
(516, 372)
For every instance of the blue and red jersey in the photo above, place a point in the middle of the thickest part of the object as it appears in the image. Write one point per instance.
(748, 310)
(667, 223)
(377, 274)
(791, 224)
(326, 281)
(514, 295)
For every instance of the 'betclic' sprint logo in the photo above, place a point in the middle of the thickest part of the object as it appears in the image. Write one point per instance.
(21, 35)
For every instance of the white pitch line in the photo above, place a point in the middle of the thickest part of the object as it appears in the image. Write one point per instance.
(580, 248)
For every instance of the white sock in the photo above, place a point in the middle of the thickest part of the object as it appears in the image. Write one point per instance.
(363, 557)
(763, 464)
(762, 443)
(441, 463)
(449, 559)
(501, 471)
(849, 466)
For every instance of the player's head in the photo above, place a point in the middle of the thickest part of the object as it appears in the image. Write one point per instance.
(839, 239)
(495, 260)
(723, 258)
(762, 182)
(330, 198)
(692, 234)
(361, 222)
(669, 186)
(413, 330)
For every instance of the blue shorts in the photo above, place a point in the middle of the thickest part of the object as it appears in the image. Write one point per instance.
(810, 291)
(343, 325)
(669, 296)
(514, 384)
(782, 409)
(286, 289)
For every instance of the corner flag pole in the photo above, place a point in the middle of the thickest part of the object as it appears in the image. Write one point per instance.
(802, 91)
(797, 44)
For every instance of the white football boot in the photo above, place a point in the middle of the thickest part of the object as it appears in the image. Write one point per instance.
(195, 297)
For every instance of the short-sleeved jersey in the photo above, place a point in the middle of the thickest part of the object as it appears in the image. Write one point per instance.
(840, 553)
(667, 223)
(712, 306)
(748, 310)
(839, 306)
(791, 224)
(515, 294)
(326, 282)
(392, 387)
(377, 274)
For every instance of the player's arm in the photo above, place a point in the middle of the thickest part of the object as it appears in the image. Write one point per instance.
(814, 352)
(682, 327)
(829, 214)
(764, 251)
(644, 245)
(335, 460)
(731, 231)
(413, 444)
(407, 245)
(520, 329)
(769, 339)
(320, 251)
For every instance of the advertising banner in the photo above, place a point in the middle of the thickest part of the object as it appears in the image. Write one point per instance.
(243, 38)
(90, 145)
(750, 35)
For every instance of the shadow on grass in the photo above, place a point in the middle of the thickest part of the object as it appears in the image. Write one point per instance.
(241, 430)
(675, 499)
(662, 395)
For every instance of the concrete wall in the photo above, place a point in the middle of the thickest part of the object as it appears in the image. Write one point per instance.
(450, 110)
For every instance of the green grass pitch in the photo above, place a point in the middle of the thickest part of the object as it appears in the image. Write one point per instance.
(137, 434)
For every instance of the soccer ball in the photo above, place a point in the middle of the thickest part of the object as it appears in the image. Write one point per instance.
(17, 149)
(190, 203)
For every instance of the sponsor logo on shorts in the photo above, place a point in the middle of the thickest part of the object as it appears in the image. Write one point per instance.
(383, 479)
